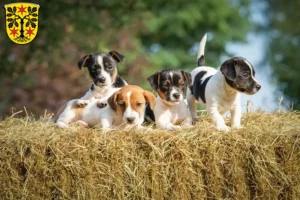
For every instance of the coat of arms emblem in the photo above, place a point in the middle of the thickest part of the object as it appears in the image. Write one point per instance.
(21, 21)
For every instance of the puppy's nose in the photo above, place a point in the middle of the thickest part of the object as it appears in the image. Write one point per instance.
(130, 119)
(176, 95)
(102, 79)
(258, 87)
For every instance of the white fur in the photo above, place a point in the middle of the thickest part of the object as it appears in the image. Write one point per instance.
(131, 113)
(167, 114)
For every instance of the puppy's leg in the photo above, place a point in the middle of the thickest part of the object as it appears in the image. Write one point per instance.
(106, 123)
(65, 118)
(192, 104)
(164, 122)
(217, 118)
(236, 113)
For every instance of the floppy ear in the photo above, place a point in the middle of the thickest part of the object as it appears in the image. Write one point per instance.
(228, 69)
(112, 101)
(117, 56)
(154, 80)
(187, 78)
(150, 98)
(82, 61)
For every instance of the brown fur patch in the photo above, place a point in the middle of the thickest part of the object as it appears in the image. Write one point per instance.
(180, 81)
(178, 121)
(77, 110)
(162, 94)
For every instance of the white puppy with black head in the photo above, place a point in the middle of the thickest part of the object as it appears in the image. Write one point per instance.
(219, 91)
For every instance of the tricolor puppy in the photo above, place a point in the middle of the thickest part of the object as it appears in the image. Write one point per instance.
(103, 71)
(219, 91)
(125, 109)
(170, 110)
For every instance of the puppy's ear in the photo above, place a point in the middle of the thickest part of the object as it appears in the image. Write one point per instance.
(117, 56)
(154, 80)
(187, 78)
(82, 61)
(150, 98)
(228, 69)
(112, 101)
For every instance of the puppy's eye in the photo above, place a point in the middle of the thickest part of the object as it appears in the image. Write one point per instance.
(109, 67)
(182, 85)
(122, 104)
(245, 75)
(139, 104)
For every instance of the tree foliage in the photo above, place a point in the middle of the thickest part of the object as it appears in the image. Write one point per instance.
(152, 35)
(283, 52)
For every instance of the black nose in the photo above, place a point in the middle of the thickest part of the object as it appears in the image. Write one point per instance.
(258, 87)
(130, 119)
(102, 79)
(176, 95)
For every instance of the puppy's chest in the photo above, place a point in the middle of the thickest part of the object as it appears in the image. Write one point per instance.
(176, 114)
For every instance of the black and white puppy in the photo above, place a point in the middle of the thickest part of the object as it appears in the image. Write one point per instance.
(102, 68)
(170, 110)
(219, 91)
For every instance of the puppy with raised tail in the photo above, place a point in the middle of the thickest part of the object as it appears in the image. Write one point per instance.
(170, 110)
(125, 109)
(219, 91)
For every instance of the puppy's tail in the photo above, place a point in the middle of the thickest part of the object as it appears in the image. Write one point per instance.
(200, 57)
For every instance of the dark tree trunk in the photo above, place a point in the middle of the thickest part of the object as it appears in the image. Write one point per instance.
(22, 28)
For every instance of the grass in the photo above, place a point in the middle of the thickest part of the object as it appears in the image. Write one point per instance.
(259, 161)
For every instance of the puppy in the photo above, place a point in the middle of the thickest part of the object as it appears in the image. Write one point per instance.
(170, 110)
(103, 71)
(219, 91)
(102, 68)
(126, 108)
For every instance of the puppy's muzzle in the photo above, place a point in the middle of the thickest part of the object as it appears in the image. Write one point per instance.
(130, 120)
(176, 96)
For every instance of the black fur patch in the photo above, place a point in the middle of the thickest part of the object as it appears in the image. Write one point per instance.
(149, 115)
(119, 82)
(92, 87)
(201, 61)
(199, 85)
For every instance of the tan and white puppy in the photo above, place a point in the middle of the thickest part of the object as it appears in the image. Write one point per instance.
(126, 109)
(219, 91)
(171, 111)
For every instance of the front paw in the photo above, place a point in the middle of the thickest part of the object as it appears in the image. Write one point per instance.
(82, 103)
(101, 104)
(223, 128)
(237, 126)
(172, 127)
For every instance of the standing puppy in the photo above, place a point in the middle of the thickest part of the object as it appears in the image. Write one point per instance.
(170, 110)
(219, 91)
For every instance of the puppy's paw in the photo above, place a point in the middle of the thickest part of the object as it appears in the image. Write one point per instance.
(81, 123)
(101, 104)
(195, 120)
(172, 127)
(82, 103)
(237, 126)
(223, 128)
(61, 124)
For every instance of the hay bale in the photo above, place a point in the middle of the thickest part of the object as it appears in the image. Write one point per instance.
(259, 161)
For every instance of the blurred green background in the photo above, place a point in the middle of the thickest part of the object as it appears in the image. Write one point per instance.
(151, 34)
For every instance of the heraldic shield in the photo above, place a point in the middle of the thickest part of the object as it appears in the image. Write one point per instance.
(21, 21)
